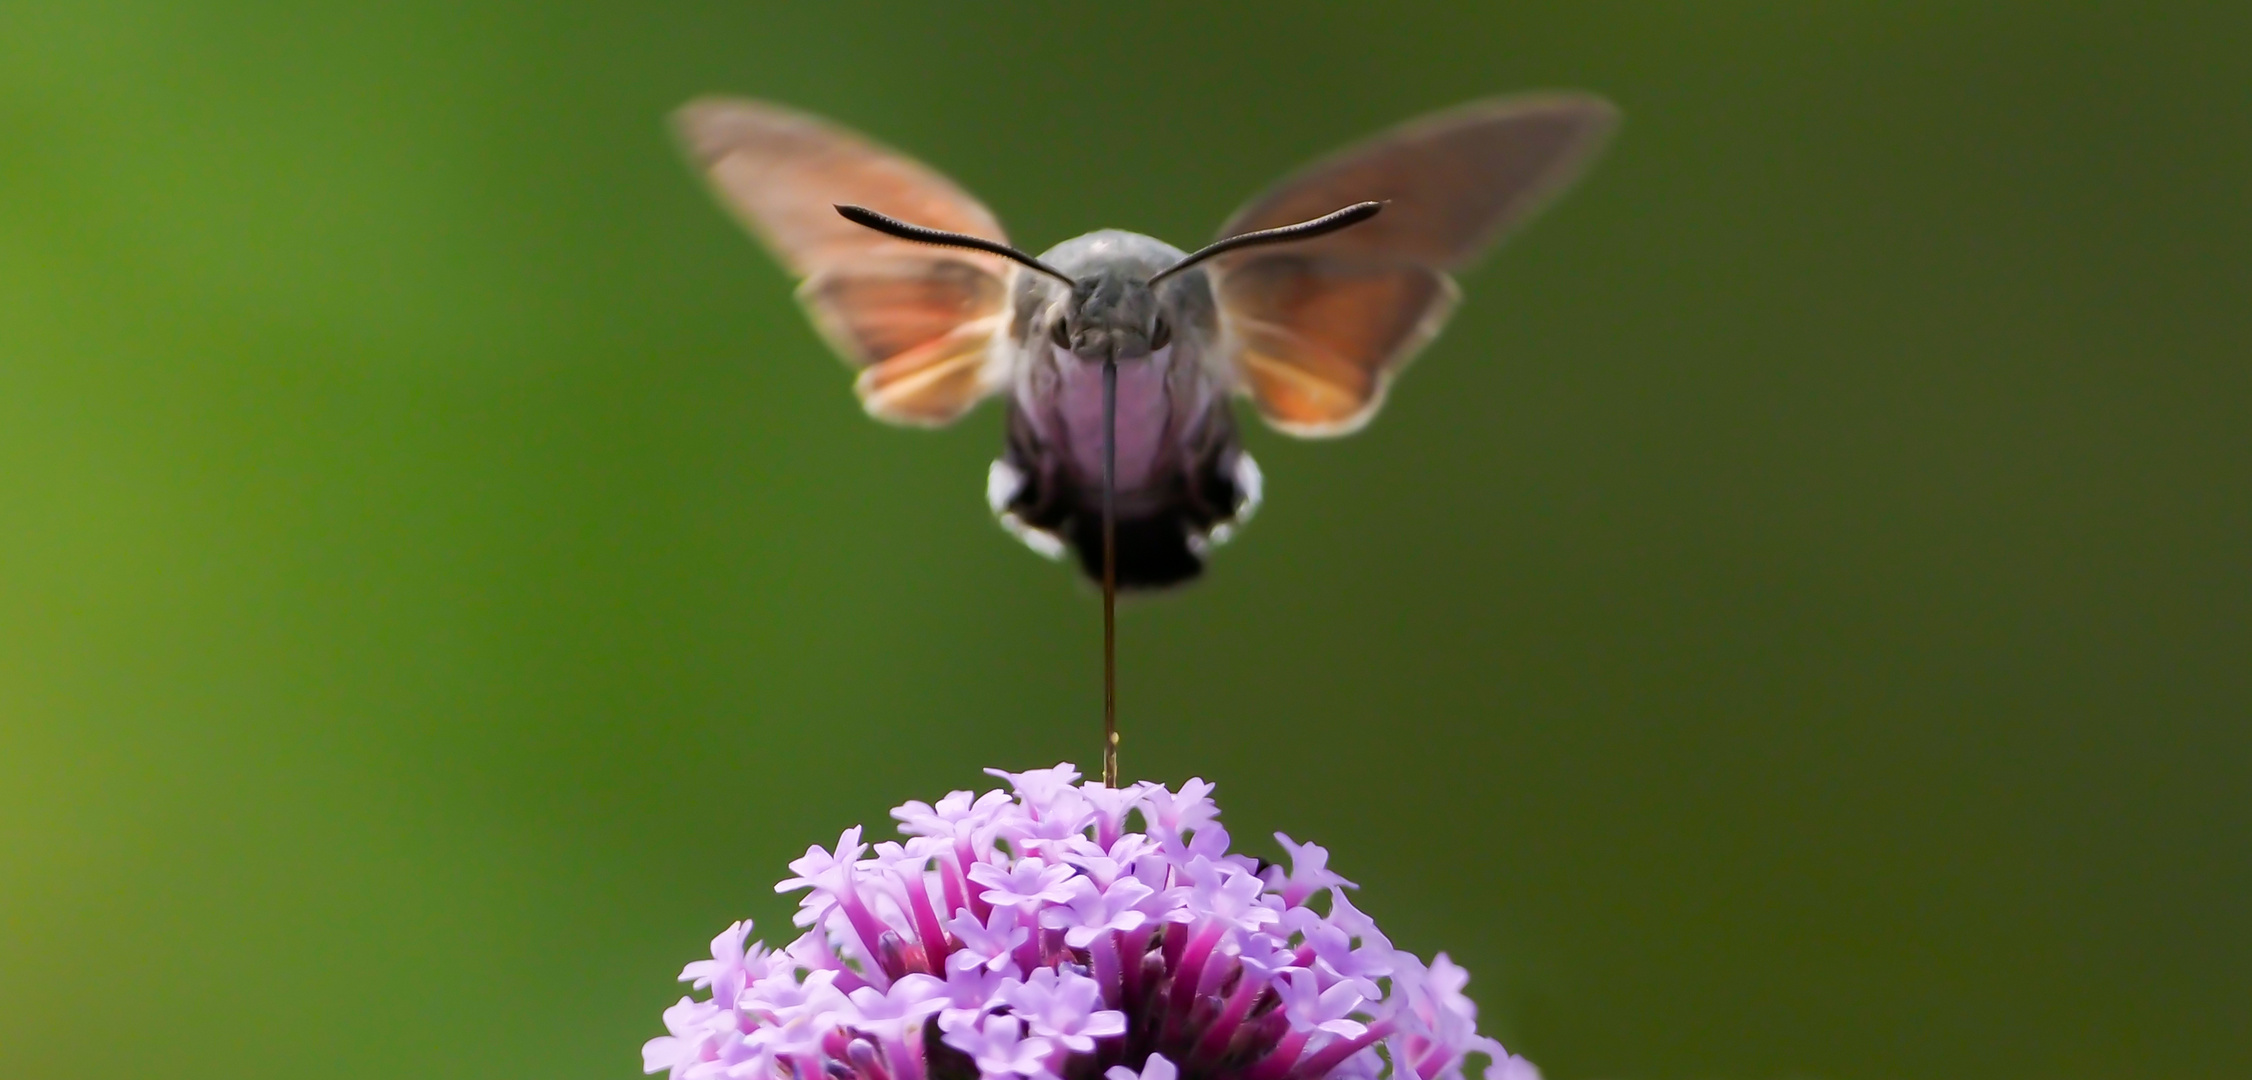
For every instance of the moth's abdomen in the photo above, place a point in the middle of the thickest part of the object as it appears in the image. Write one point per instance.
(1166, 528)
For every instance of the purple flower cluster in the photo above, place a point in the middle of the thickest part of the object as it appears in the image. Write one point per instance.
(1031, 935)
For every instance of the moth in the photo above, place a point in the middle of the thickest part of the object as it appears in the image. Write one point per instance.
(1118, 353)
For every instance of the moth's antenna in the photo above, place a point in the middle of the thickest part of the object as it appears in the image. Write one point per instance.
(1110, 572)
(1304, 230)
(891, 226)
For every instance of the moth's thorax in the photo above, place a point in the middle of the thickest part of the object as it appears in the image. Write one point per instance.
(1161, 341)
(1145, 415)
(1112, 249)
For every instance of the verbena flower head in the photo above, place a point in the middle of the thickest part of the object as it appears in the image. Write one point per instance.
(1029, 934)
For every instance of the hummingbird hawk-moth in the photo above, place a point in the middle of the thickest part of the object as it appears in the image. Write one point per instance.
(1117, 352)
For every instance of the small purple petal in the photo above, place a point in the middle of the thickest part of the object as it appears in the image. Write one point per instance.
(1156, 1068)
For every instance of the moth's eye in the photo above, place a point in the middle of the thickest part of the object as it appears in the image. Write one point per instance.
(1160, 336)
(1061, 335)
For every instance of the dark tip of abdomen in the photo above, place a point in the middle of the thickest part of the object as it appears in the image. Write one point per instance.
(1153, 552)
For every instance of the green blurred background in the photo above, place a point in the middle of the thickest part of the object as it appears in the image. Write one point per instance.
(1796, 623)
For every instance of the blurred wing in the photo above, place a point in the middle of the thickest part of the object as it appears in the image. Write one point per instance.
(1320, 326)
(919, 322)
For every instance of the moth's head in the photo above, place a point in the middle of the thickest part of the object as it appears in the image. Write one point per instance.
(1110, 315)
(1111, 311)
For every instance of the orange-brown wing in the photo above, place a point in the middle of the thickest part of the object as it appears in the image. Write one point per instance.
(920, 323)
(1320, 326)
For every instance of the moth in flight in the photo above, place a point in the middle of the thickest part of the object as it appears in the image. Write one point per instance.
(1118, 352)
